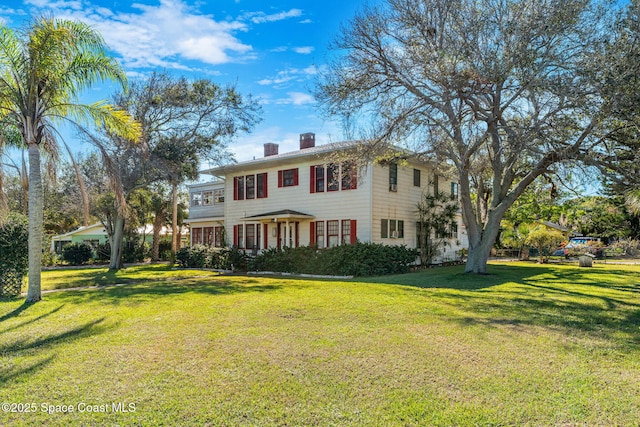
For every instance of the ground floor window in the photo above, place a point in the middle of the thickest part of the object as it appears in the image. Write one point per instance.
(320, 234)
(327, 234)
(391, 229)
(212, 236)
(247, 236)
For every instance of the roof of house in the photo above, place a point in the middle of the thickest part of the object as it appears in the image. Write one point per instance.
(287, 158)
(281, 214)
(283, 158)
(554, 225)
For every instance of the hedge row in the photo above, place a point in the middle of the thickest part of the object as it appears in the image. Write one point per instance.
(359, 259)
(202, 256)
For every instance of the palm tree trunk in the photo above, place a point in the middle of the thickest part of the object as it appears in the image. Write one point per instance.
(117, 239)
(36, 227)
(24, 183)
(175, 238)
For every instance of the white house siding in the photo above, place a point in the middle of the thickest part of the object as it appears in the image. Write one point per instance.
(401, 205)
(367, 205)
(323, 206)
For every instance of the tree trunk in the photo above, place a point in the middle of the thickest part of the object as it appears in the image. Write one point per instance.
(116, 241)
(36, 219)
(24, 183)
(480, 248)
(4, 203)
(158, 222)
(174, 221)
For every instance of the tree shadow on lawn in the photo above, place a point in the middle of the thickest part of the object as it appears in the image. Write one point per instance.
(19, 310)
(140, 291)
(603, 303)
(22, 348)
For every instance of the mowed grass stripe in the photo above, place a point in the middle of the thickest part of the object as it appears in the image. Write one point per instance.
(525, 345)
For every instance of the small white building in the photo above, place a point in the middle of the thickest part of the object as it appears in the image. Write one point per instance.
(301, 198)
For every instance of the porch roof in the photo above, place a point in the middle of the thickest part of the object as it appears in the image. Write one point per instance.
(276, 216)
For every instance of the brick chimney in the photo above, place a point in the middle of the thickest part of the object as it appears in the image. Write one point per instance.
(307, 140)
(270, 149)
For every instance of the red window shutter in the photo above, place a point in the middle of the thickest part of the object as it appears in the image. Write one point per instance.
(312, 179)
(280, 179)
(295, 176)
(235, 188)
(264, 183)
(353, 236)
(312, 233)
(265, 235)
(235, 236)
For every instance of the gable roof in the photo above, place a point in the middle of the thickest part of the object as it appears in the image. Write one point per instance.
(284, 158)
(293, 157)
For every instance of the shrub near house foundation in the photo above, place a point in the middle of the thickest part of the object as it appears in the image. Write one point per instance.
(359, 259)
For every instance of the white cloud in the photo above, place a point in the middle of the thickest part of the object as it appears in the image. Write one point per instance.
(306, 21)
(305, 50)
(312, 70)
(261, 17)
(297, 98)
(290, 75)
(159, 35)
(281, 77)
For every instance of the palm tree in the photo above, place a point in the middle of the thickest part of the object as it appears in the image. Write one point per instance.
(633, 201)
(43, 70)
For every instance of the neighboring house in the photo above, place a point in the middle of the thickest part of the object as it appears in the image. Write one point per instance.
(557, 227)
(96, 234)
(300, 198)
(92, 234)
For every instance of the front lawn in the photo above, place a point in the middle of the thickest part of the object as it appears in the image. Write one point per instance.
(526, 345)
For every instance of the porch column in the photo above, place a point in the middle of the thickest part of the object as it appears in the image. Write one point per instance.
(286, 233)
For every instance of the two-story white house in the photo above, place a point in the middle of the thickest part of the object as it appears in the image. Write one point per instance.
(302, 198)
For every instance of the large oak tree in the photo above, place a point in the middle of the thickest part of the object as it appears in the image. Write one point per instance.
(502, 90)
(184, 122)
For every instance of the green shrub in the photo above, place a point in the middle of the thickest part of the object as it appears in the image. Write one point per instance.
(135, 251)
(50, 259)
(103, 252)
(359, 259)
(202, 256)
(14, 253)
(77, 253)
(165, 250)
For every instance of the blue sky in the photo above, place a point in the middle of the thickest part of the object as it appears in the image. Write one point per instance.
(272, 49)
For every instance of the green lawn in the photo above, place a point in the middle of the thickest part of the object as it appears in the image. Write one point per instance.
(525, 345)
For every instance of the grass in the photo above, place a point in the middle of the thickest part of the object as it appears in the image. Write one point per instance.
(526, 345)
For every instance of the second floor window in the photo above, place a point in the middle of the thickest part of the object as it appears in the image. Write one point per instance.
(288, 178)
(416, 178)
(249, 187)
(454, 191)
(334, 177)
(393, 177)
